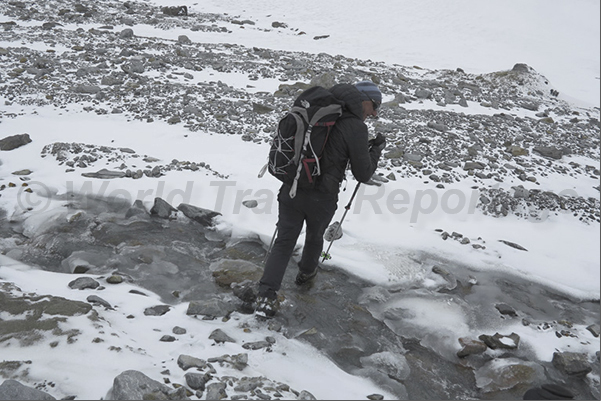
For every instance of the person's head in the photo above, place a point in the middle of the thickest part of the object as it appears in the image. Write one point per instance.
(371, 98)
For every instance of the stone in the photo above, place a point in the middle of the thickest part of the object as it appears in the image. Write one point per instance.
(500, 341)
(162, 209)
(572, 363)
(83, 283)
(135, 385)
(471, 347)
(200, 215)
(13, 390)
(14, 141)
(186, 362)
(220, 337)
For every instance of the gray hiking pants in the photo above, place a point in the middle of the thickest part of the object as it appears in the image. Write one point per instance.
(312, 207)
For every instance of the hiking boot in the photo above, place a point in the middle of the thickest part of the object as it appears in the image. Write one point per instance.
(267, 305)
(303, 278)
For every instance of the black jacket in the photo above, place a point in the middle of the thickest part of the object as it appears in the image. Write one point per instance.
(347, 141)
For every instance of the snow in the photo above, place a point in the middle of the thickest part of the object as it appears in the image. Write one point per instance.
(386, 224)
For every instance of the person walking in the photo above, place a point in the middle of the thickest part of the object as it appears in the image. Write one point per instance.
(347, 143)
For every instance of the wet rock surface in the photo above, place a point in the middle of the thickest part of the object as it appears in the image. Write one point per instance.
(368, 330)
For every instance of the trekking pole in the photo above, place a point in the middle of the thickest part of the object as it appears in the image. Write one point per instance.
(326, 255)
(270, 245)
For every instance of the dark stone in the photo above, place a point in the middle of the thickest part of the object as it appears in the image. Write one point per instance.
(506, 310)
(572, 363)
(200, 215)
(162, 209)
(15, 141)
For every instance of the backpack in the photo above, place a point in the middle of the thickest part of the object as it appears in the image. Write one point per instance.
(298, 144)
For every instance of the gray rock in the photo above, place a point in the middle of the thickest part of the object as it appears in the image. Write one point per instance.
(135, 385)
(220, 337)
(186, 362)
(229, 271)
(473, 166)
(104, 174)
(549, 151)
(594, 329)
(212, 307)
(305, 395)
(13, 390)
(158, 310)
(256, 345)
(127, 33)
(500, 341)
(95, 299)
(216, 391)
(14, 141)
(505, 309)
(197, 381)
(162, 209)
(471, 347)
(200, 215)
(521, 67)
(572, 363)
(83, 283)
(179, 330)
(513, 245)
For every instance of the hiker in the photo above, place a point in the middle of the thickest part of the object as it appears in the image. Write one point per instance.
(347, 142)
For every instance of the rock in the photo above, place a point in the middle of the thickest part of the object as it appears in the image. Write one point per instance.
(83, 283)
(393, 365)
(175, 11)
(200, 215)
(513, 245)
(212, 308)
(134, 385)
(507, 373)
(473, 166)
(256, 345)
(506, 310)
(500, 341)
(220, 337)
(114, 279)
(471, 347)
(14, 141)
(517, 151)
(251, 204)
(594, 329)
(104, 174)
(228, 271)
(305, 395)
(186, 362)
(548, 151)
(216, 391)
(158, 310)
(262, 109)
(197, 381)
(521, 68)
(179, 330)
(137, 209)
(572, 363)
(162, 209)
(94, 299)
(13, 390)
(437, 126)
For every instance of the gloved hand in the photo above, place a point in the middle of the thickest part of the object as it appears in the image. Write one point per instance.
(379, 142)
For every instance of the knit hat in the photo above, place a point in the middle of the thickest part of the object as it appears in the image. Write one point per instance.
(369, 91)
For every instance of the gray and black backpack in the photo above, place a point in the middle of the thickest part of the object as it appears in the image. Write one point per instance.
(298, 144)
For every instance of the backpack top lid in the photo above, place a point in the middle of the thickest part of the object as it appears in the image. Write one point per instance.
(316, 97)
